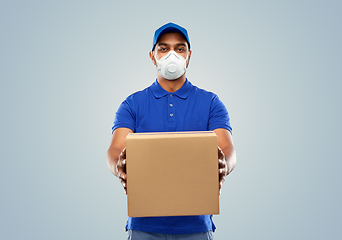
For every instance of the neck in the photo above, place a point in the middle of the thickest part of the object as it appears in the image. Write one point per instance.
(171, 85)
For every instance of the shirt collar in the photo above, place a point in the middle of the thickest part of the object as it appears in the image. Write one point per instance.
(183, 92)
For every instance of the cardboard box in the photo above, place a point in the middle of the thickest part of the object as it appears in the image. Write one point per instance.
(172, 174)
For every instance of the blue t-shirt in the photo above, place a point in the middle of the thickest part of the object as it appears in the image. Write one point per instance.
(156, 110)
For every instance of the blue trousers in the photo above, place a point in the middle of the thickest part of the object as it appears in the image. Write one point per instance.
(139, 235)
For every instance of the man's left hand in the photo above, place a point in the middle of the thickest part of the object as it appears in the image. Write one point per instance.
(222, 167)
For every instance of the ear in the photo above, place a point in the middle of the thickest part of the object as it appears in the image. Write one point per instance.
(152, 57)
(187, 64)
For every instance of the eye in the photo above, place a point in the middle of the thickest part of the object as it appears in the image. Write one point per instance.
(162, 49)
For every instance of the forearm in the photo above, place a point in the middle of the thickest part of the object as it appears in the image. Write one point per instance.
(112, 159)
(117, 144)
(225, 142)
(230, 157)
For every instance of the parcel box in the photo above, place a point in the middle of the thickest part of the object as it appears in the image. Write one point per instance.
(172, 174)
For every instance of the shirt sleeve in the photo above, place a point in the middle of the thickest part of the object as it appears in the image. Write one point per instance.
(125, 116)
(218, 117)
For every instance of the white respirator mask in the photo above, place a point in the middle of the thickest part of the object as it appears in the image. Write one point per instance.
(171, 66)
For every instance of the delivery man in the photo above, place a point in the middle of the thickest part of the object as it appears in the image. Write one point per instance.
(171, 103)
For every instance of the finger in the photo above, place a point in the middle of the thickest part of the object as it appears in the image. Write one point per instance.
(123, 154)
(123, 183)
(120, 169)
(223, 169)
(222, 179)
(122, 175)
(222, 163)
(220, 185)
(223, 172)
(220, 153)
(121, 163)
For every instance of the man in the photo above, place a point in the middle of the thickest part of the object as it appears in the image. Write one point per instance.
(171, 103)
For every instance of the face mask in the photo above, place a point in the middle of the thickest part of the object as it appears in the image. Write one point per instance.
(171, 66)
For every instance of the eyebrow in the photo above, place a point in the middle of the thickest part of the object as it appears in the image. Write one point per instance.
(181, 44)
(178, 44)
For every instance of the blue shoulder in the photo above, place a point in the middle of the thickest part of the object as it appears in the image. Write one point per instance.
(205, 93)
(137, 96)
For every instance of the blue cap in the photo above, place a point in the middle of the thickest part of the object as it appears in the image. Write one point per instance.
(169, 27)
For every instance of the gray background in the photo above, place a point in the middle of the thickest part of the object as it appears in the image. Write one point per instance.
(65, 66)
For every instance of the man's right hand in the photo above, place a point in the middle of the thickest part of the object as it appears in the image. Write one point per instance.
(121, 169)
(116, 157)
